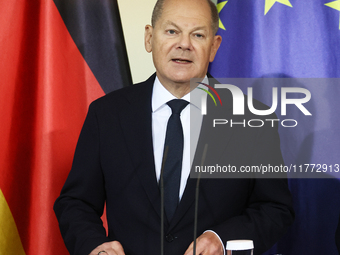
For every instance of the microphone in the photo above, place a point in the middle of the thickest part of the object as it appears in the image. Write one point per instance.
(196, 196)
(165, 154)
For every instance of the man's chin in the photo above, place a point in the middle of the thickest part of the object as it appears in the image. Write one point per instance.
(183, 78)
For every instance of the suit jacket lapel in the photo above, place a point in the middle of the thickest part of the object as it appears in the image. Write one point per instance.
(216, 145)
(136, 119)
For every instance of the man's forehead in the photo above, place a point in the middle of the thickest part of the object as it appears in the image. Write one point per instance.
(186, 7)
(177, 25)
(194, 14)
(176, 2)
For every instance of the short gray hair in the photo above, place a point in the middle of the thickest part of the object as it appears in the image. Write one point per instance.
(158, 9)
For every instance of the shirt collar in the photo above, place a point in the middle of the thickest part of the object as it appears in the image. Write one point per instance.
(160, 95)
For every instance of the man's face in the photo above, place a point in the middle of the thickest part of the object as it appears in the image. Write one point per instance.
(182, 41)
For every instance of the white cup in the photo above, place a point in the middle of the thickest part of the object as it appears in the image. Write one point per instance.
(240, 247)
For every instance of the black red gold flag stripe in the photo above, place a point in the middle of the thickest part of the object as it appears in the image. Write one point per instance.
(96, 29)
(49, 74)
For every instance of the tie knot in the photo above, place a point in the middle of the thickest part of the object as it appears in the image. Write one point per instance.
(177, 105)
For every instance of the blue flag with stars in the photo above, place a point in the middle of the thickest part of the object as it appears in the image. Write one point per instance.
(293, 39)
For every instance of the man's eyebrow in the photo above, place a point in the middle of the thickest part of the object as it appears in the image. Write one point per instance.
(175, 25)
(171, 23)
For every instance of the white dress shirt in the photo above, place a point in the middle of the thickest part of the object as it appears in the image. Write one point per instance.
(161, 113)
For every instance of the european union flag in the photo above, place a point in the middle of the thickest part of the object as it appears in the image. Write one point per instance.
(295, 39)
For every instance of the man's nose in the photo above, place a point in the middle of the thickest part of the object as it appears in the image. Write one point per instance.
(185, 42)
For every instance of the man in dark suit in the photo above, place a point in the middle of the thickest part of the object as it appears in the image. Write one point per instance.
(119, 156)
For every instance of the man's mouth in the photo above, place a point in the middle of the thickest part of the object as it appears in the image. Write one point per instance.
(182, 61)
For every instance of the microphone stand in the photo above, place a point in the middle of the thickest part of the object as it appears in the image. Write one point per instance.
(165, 154)
(196, 197)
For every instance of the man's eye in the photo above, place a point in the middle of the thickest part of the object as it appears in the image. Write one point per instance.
(199, 35)
(172, 32)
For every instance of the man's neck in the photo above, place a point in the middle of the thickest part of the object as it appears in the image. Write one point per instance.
(177, 89)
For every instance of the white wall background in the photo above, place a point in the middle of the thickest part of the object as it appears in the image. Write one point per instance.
(135, 14)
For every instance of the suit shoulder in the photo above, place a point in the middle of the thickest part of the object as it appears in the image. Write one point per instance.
(126, 94)
(257, 105)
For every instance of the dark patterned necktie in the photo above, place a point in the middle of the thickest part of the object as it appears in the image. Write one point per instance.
(173, 163)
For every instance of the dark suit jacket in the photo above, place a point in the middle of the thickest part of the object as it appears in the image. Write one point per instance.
(114, 163)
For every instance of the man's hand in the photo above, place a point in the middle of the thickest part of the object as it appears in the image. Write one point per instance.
(109, 248)
(208, 244)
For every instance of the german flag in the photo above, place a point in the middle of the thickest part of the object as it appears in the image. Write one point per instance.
(56, 58)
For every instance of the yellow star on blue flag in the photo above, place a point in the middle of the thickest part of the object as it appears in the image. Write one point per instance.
(269, 4)
(219, 9)
(335, 5)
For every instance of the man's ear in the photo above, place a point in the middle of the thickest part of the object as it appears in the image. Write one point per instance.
(148, 38)
(216, 44)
